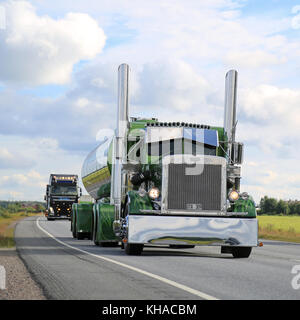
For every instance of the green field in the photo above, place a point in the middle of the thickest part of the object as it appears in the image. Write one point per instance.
(284, 228)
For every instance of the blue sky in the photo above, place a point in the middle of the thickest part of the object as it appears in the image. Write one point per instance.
(58, 81)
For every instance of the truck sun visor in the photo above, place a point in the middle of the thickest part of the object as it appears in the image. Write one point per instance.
(205, 136)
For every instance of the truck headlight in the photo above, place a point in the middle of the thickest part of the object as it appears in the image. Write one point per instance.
(233, 196)
(153, 193)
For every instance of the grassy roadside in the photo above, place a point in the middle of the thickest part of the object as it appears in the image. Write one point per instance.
(283, 228)
(7, 226)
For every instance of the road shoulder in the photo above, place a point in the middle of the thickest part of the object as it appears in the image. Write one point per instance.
(19, 285)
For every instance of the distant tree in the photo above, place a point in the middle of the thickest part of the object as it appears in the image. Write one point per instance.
(30, 209)
(282, 207)
(297, 208)
(293, 206)
(272, 206)
(39, 207)
(2, 211)
(12, 208)
(268, 205)
(262, 204)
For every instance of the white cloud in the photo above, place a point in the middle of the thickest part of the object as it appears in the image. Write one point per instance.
(275, 178)
(296, 19)
(82, 102)
(99, 82)
(253, 59)
(14, 160)
(41, 50)
(171, 85)
(269, 127)
(230, 14)
(45, 144)
(5, 154)
(19, 182)
(12, 195)
(272, 104)
(30, 183)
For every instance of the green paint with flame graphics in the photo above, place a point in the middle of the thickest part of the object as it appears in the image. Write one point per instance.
(245, 205)
(104, 222)
(82, 219)
(138, 202)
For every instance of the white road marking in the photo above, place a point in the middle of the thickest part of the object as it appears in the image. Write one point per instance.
(2, 278)
(146, 273)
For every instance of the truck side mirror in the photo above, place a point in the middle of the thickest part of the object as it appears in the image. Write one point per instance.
(45, 198)
(237, 152)
(80, 192)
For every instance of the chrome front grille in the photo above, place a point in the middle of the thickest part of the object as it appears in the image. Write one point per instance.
(186, 193)
(194, 192)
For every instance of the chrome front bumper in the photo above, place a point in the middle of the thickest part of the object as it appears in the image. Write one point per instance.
(193, 230)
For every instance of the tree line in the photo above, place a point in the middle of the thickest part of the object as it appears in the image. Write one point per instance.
(8, 207)
(273, 206)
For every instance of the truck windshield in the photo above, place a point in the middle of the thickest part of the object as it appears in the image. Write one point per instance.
(64, 190)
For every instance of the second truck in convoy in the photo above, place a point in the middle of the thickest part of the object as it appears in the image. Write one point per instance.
(61, 192)
(169, 183)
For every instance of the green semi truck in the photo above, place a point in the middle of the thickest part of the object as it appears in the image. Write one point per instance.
(169, 183)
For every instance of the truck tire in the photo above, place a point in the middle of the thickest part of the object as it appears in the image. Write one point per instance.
(96, 242)
(241, 252)
(50, 219)
(73, 228)
(109, 244)
(80, 236)
(133, 249)
(94, 231)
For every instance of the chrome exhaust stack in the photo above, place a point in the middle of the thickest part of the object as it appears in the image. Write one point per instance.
(230, 110)
(119, 154)
(234, 149)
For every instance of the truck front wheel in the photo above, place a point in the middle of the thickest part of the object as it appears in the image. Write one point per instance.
(74, 233)
(241, 252)
(181, 246)
(80, 235)
(133, 248)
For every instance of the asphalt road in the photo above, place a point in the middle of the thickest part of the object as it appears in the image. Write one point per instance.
(77, 269)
